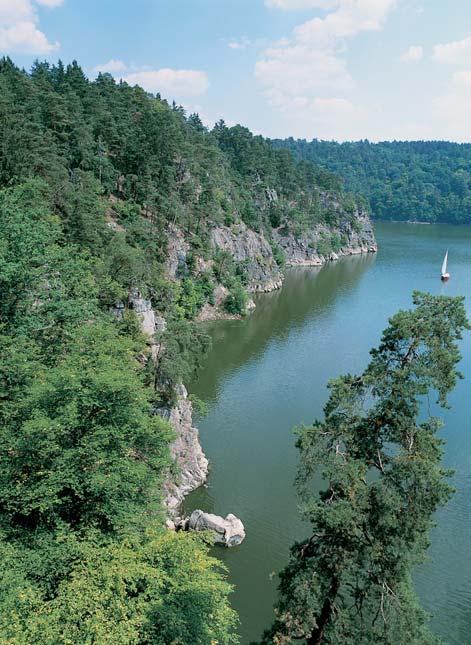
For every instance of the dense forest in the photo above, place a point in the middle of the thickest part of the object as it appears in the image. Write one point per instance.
(425, 181)
(95, 177)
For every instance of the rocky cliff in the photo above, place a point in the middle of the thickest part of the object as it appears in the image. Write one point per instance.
(321, 244)
(253, 252)
(191, 465)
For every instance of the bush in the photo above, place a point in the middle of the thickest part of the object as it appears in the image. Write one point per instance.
(236, 301)
(324, 246)
(335, 242)
(278, 254)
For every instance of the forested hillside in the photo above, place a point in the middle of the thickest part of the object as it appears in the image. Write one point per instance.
(107, 192)
(427, 181)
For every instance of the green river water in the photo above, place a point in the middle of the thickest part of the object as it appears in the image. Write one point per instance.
(268, 373)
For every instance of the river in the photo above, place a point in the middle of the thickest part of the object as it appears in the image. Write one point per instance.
(268, 373)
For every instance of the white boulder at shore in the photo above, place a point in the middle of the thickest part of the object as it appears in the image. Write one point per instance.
(229, 531)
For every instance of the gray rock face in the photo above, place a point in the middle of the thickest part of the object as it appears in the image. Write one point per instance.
(144, 311)
(229, 531)
(302, 250)
(177, 250)
(186, 451)
(253, 251)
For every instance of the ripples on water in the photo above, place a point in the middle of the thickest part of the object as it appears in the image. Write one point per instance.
(268, 373)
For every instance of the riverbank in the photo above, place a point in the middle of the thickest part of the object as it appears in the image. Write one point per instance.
(190, 459)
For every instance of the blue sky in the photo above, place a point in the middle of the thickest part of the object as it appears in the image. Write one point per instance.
(333, 69)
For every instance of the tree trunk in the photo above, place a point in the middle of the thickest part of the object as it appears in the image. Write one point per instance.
(317, 635)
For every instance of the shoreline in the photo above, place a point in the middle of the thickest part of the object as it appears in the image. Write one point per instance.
(188, 435)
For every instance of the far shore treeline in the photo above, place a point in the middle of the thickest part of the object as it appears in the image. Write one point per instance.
(423, 181)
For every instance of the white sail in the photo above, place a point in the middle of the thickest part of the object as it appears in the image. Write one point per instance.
(445, 263)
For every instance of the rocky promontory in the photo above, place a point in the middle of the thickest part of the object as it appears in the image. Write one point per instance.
(191, 465)
(352, 237)
(252, 251)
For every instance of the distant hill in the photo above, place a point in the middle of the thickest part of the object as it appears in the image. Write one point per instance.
(427, 181)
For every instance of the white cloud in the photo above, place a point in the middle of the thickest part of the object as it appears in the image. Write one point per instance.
(172, 83)
(306, 77)
(50, 3)
(413, 54)
(451, 110)
(291, 5)
(19, 30)
(454, 53)
(350, 18)
(13, 12)
(238, 43)
(333, 106)
(311, 64)
(462, 79)
(112, 66)
(300, 69)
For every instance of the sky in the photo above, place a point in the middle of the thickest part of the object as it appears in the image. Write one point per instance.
(327, 69)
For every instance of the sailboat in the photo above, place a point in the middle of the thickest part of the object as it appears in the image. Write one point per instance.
(445, 274)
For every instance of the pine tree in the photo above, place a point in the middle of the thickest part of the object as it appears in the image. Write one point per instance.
(350, 581)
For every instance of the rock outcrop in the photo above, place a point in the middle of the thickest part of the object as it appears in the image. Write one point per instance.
(149, 320)
(253, 252)
(191, 465)
(228, 531)
(177, 249)
(355, 236)
(190, 460)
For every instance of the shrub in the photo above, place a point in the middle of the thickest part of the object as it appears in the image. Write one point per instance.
(236, 301)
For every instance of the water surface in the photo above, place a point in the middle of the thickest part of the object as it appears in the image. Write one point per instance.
(268, 373)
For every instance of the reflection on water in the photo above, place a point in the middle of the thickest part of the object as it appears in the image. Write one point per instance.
(306, 292)
(268, 373)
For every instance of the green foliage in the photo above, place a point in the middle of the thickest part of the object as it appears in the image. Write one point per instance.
(278, 254)
(350, 581)
(193, 293)
(181, 349)
(164, 590)
(236, 301)
(426, 181)
(89, 185)
(200, 407)
(324, 245)
(82, 448)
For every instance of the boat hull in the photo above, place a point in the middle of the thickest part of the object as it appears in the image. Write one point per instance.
(445, 277)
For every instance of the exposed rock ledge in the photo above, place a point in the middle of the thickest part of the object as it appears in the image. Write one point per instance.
(187, 452)
(302, 250)
(253, 251)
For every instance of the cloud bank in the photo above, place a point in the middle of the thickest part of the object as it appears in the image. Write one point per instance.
(19, 30)
(306, 75)
(170, 82)
(178, 84)
(413, 54)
